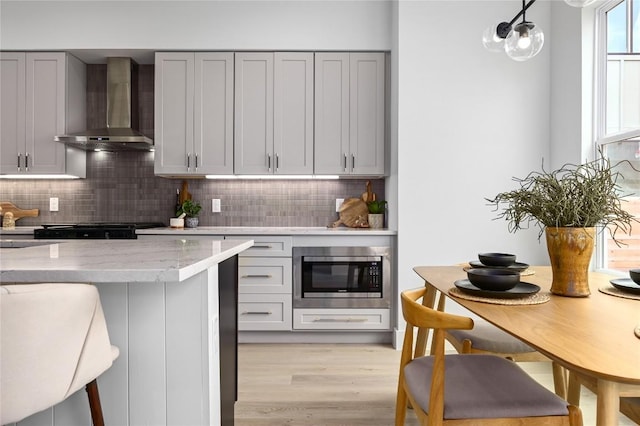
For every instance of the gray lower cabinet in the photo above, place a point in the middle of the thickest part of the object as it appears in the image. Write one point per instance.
(43, 95)
(193, 113)
(273, 113)
(349, 113)
(264, 285)
(342, 319)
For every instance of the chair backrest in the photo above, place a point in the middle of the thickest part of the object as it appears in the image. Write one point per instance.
(53, 341)
(423, 317)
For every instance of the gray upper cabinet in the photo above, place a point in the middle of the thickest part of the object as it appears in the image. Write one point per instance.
(349, 113)
(43, 95)
(193, 113)
(274, 113)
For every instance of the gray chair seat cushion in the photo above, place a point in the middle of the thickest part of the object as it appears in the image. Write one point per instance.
(483, 386)
(488, 337)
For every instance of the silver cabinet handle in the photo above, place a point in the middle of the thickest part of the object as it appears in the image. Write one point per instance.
(353, 162)
(340, 320)
(269, 162)
(257, 313)
(345, 163)
(189, 162)
(26, 162)
(277, 162)
(262, 247)
(196, 162)
(257, 276)
(19, 156)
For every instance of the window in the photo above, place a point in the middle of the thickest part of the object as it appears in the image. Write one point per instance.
(618, 117)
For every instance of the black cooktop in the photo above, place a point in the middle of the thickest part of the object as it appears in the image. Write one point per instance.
(96, 231)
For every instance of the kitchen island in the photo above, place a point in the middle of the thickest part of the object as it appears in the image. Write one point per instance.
(171, 309)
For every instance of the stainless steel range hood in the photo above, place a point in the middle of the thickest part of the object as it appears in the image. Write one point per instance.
(121, 133)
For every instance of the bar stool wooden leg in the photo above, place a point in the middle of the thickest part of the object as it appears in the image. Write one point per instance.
(94, 403)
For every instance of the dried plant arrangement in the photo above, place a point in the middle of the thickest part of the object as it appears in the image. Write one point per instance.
(583, 195)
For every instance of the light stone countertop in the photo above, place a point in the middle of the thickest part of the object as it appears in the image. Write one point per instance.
(109, 261)
(265, 230)
(233, 230)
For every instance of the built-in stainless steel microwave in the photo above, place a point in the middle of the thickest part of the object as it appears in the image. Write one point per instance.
(341, 277)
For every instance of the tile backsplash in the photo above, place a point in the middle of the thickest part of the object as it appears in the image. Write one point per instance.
(121, 187)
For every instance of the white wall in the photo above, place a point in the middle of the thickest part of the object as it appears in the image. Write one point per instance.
(571, 48)
(195, 25)
(468, 121)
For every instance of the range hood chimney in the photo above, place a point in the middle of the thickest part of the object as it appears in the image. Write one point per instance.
(121, 133)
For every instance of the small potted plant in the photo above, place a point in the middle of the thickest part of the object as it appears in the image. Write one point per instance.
(191, 209)
(567, 204)
(376, 213)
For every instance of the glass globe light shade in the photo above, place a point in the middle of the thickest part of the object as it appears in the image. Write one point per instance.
(579, 3)
(524, 42)
(491, 41)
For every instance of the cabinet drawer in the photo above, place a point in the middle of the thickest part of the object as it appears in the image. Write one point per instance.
(341, 319)
(258, 312)
(266, 246)
(264, 275)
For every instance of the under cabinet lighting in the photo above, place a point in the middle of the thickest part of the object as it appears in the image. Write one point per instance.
(281, 177)
(38, 177)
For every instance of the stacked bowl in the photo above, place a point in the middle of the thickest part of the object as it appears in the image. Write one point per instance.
(496, 274)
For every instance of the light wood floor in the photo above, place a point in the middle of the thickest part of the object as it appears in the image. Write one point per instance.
(335, 384)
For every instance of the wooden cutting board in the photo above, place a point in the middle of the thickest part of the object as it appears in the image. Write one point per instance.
(17, 212)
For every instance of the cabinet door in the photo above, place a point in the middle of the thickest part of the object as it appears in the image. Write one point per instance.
(213, 113)
(293, 113)
(366, 117)
(331, 150)
(253, 133)
(258, 275)
(174, 97)
(45, 112)
(264, 312)
(12, 108)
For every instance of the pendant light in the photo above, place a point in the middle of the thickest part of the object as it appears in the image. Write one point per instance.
(524, 40)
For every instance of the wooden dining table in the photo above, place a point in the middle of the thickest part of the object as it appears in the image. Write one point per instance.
(592, 337)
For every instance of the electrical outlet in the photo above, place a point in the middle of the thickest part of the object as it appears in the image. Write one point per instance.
(339, 202)
(215, 205)
(53, 204)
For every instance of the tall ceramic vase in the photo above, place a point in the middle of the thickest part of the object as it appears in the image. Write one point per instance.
(570, 251)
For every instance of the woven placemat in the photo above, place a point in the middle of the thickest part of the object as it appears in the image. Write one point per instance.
(524, 273)
(533, 299)
(612, 291)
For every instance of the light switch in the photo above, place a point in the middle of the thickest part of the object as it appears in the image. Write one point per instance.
(339, 202)
(53, 204)
(215, 205)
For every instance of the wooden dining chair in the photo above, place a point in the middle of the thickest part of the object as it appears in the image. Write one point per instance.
(630, 407)
(465, 389)
(629, 394)
(485, 338)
